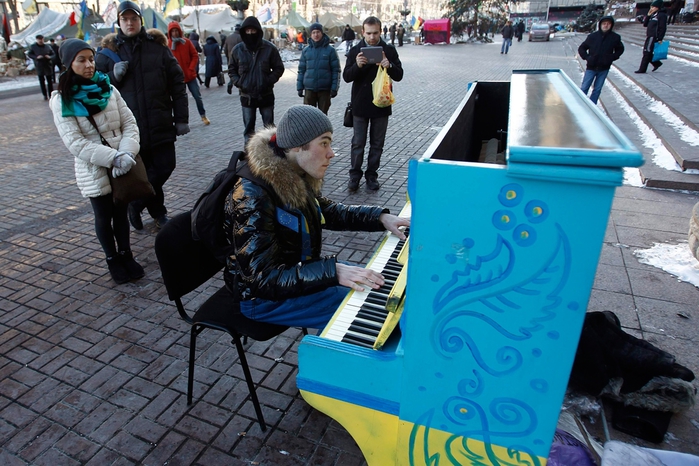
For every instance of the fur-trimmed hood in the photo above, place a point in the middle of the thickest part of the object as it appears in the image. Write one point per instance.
(283, 174)
(158, 36)
(109, 42)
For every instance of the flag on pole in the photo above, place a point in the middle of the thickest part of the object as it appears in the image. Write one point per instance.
(6, 32)
(81, 22)
(29, 7)
(110, 14)
(171, 7)
(264, 14)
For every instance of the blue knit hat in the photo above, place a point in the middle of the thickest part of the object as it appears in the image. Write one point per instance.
(314, 27)
(300, 125)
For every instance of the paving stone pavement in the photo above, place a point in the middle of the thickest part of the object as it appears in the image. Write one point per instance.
(93, 373)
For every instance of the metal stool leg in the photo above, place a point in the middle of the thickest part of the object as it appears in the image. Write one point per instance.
(248, 379)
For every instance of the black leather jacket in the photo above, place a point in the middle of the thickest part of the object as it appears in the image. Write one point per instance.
(277, 257)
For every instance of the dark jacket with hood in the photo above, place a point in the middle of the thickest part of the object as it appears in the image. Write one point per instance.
(508, 32)
(361, 79)
(212, 52)
(600, 49)
(153, 86)
(656, 25)
(194, 37)
(319, 67)
(255, 66)
(275, 257)
(348, 34)
(184, 51)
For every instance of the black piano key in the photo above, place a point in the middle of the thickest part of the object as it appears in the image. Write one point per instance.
(358, 341)
(372, 317)
(374, 307)
(367, 324)
(364, 331)
(375, 300)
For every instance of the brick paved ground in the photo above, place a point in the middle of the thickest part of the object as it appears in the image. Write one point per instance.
(93, 373)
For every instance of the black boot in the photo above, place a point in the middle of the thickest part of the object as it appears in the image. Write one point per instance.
(117, 270)
(134, 218)
(133, 268)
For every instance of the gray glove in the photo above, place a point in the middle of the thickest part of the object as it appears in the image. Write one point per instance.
(181, 129)
(301, 93)
(122, 163)
(120, 70)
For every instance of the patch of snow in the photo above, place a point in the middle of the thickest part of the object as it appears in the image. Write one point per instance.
(683, 61)
(675, 259)
(19, 83)
(661, 156)
(632, 177)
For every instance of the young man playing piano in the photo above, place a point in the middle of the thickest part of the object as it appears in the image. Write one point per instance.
(274, 224)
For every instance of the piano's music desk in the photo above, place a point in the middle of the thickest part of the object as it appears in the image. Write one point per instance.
(502, 259)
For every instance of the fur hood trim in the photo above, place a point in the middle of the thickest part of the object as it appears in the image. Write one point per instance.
(158, 36)
(281, 173)
(109, 42)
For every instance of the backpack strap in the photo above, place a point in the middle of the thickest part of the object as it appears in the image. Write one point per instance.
(111, 54)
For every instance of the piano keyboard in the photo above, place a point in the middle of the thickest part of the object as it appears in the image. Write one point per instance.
(360, 320)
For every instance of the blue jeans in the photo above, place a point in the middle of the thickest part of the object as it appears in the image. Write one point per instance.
(250, 117)
(377, 136)
(310, 311)
(193, 86)
(506, 43)
(598, 77)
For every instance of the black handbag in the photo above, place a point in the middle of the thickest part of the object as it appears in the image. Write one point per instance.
(221, 79)
(131, 186)
(349, 120)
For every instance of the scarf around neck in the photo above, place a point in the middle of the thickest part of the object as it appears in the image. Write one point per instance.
(87, 96)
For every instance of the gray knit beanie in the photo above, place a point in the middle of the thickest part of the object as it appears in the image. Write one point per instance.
(70, 48)
(300, 125)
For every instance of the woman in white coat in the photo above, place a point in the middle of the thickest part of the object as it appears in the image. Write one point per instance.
(84, 94)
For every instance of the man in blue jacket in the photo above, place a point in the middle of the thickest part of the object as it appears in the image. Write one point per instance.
(361, 74)
(319, 71)
(599, 49)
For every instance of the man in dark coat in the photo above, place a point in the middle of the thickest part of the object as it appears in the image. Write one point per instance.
(43, 55)
(520, 30)
(655, 23)
(348, 37)
(152, 83)
(274, 221)
(232, 40)
(400, 33)
(361, 74)
(254, 68)
(508, 32)
(599, 50)
(319, 70)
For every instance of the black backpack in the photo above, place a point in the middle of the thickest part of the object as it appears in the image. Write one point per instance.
(208, 215)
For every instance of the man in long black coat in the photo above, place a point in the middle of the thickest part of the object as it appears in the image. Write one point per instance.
(43, 56)
(655, 23)
(361, 74)
(152, 83)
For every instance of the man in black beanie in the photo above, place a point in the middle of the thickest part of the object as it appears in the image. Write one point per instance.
(43, 56)
(273, 219)
(254, 67)
(152, 83)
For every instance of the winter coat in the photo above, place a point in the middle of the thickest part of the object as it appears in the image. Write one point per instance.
(361, 79)
(44, 65)
(185, 53)
(319, 67)
(400, 32)
(231, 41)
(508, 32)
(153, 86)
(656, 25)
(212, 52)
(255, 66)
(348, 34)
(194, 37)
(270, 262)
(600, 49)
(117, 125)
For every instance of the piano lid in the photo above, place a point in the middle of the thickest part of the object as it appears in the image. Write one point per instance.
(552, 122)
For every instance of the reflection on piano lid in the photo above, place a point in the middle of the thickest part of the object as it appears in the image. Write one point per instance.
(363, 318)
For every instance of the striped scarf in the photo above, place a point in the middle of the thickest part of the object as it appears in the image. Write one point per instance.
(87, 96)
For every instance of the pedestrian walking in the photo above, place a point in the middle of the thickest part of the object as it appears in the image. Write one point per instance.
(87, 109)
(348, 37)
(232, 40)
(56, 59)
(520, 30)
(385, 32)
(42, 55)
(188, 58)
(254, 68)
(152, 83)
(279, 274)
(194, 37)
(508, 33)
(214, 62)
(600, 49)
(319, 70)
(673, 10)
(392, 31)
(655, 23)
(400, 33)
(365, 114)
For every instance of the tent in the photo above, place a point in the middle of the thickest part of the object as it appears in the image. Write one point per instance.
(354, 23)
(333, 24)
(294, 20)
(437, 30)
(210, 24)
(49, 23)
(46, 23)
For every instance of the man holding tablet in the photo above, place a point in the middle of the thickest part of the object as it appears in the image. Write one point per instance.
(361, 68)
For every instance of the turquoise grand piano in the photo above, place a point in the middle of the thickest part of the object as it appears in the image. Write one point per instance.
(509, 210)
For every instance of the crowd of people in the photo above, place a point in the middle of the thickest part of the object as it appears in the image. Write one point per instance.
(113, 112)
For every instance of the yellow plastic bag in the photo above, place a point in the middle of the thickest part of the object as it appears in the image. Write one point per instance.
(382, 88)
